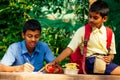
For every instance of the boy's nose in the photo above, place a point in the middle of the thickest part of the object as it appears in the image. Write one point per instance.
(91, 20)
(33, 39)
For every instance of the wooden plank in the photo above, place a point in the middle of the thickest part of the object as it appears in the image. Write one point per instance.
(41, 76)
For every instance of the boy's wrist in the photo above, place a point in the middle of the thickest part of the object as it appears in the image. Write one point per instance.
(55, 62)
(18, 68)
(111, 57)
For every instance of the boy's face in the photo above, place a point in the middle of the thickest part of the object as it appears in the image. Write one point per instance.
(31, 38)
(96, 20)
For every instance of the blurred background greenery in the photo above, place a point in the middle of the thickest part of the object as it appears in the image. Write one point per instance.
(59, 20)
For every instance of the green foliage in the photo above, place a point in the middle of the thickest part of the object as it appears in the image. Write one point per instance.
(56, 30)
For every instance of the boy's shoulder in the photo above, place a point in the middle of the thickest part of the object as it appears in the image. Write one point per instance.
(82, 28)
(15, 44)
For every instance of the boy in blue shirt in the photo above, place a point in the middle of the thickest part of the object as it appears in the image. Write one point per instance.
(31, 50)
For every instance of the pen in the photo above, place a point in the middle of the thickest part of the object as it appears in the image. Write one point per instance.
(26, 59)
(42, 69)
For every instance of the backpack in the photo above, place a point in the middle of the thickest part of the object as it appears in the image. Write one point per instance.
(77, 57)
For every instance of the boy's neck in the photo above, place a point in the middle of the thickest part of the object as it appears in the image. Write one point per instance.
(97, 26)
(30, 51)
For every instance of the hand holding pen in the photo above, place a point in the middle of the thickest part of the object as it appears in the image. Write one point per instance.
(27, 67)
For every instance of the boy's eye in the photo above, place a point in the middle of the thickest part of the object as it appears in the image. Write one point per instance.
(36, 36)
(29, 36)
(95, 17)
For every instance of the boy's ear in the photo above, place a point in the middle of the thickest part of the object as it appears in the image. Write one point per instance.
(23, 36)
(105, 18)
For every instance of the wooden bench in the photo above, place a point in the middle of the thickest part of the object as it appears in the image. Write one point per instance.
(41, 76)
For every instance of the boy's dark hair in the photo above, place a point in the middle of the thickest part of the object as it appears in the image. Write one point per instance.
(32, 25)
(100, 7)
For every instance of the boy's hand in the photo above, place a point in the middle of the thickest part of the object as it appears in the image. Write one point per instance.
(27, 67)
(108, 58)
(49, 64)
(53, 68)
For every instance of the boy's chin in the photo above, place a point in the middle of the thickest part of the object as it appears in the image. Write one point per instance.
(31, 46)
(94, 26)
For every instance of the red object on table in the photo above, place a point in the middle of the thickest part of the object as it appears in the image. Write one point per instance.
(54, 68)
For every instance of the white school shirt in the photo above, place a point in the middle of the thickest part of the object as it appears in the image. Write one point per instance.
(96, 44)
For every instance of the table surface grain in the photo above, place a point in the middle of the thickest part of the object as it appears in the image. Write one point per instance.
(46, 76)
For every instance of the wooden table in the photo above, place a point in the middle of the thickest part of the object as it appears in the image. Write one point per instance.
(41, 76)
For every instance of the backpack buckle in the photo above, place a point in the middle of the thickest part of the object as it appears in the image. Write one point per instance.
(108, 50)
(85, 42)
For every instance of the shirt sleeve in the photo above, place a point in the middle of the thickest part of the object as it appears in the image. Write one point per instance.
(112, 47)
(77, 39)
(8, 58)
(49, 57)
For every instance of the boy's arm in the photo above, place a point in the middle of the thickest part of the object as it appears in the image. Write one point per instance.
(22, 68)
(4, 68)
(65, 53)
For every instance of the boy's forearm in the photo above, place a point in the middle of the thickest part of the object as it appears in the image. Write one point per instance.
(63, 55)
(10, 69)
(4, 68)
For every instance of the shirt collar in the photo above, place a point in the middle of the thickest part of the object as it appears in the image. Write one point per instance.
(101, 30)
(24, 49)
